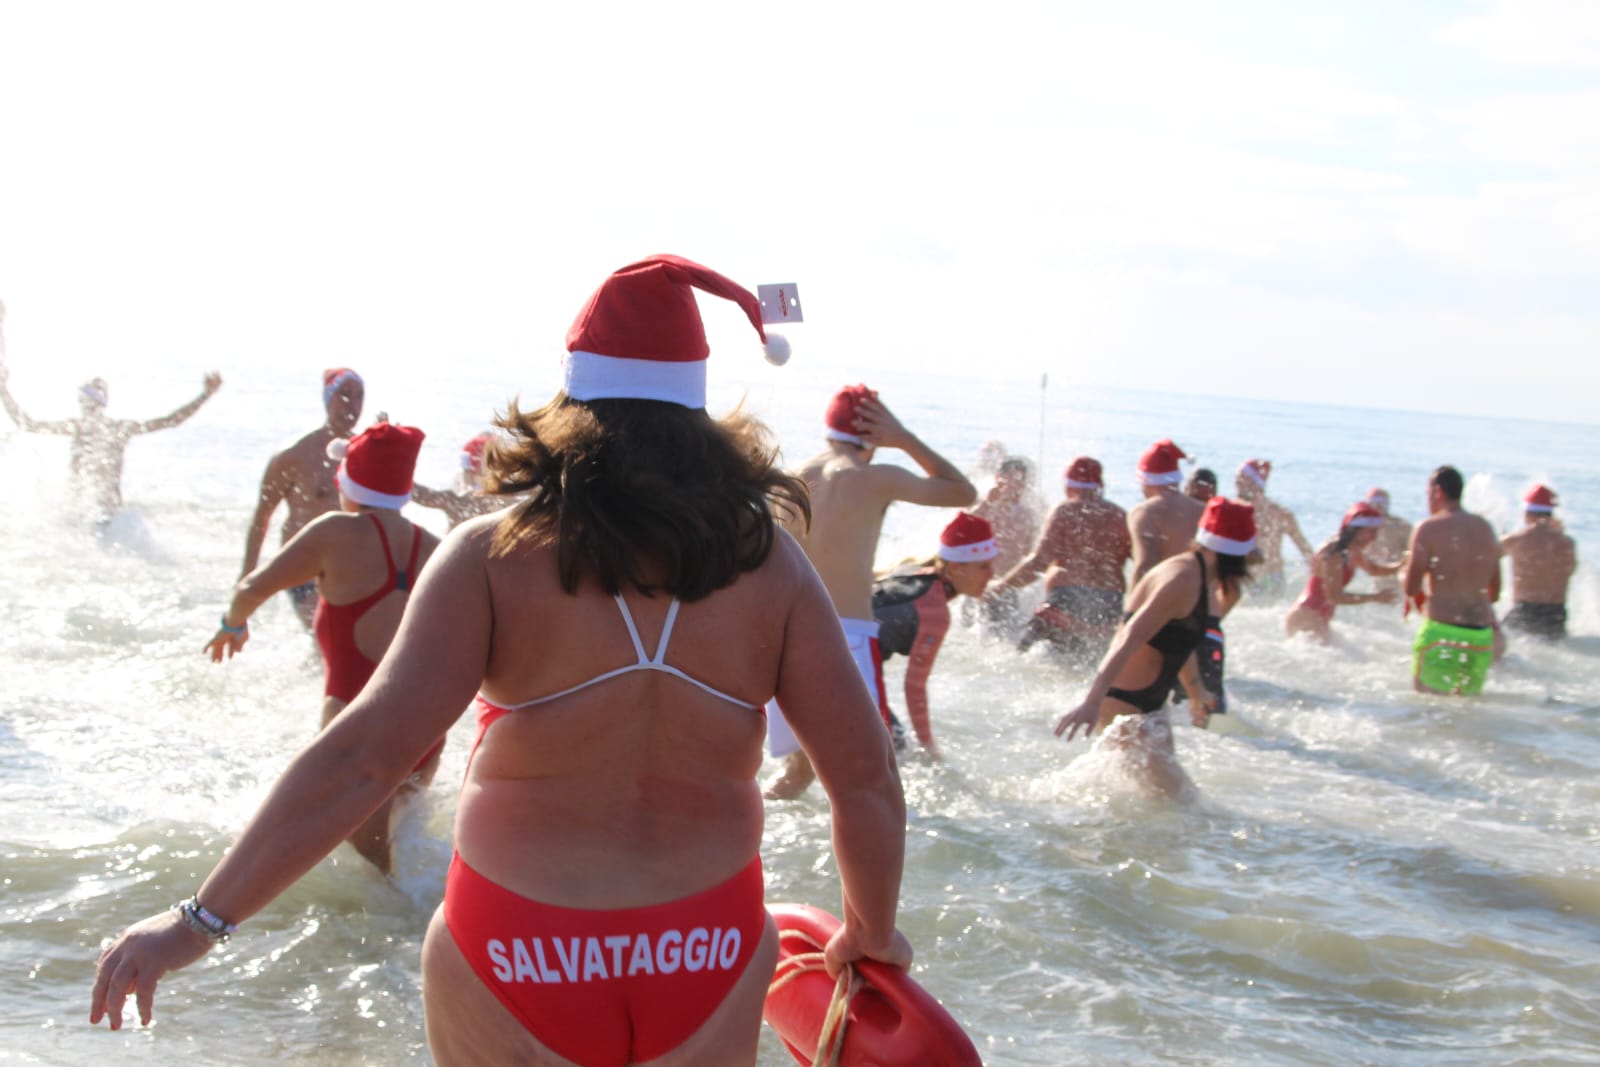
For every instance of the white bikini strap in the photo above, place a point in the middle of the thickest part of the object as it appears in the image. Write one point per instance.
(633, 631)
(666, 633)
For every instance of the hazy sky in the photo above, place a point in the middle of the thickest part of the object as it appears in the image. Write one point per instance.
(1394, 204)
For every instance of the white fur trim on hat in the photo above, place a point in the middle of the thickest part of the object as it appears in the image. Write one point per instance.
(839, 435)
(976, 552)
(1539, 509)
(1226, 545)
(591, 376)
(359, 493)
(1361, 522)
(1071, 484)
(1167, 478)
(1249, 471)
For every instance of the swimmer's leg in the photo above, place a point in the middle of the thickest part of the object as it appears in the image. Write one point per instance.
(797, 775)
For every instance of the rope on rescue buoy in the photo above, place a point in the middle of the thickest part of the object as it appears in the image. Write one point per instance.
(830, 1038)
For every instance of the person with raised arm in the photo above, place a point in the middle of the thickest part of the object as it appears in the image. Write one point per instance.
(622, 628)
(1275, 522)
(99, 443)
(849, 496)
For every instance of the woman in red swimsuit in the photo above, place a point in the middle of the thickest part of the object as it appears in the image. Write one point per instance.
(623, 628)
(365, 559)
(1332, 567)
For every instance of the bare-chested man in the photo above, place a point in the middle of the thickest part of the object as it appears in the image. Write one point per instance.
(1274, 522)
(301, 476)
(1086, 546)
(1163, 524)
(1202, 484)
(1458, 557)
(1543, 559)
(849, 496)
(94, 458)
(1013, 510)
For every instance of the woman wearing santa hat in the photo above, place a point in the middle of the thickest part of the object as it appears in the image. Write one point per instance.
(365, 560)
(1332, 567)
(1169, 612)
(622, 629)
(912, 607)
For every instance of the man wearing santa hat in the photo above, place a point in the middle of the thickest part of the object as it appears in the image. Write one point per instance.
(849, 496)
(1543, 559)
(1393, 538)
(300, 476)
(1453, 573)
(1163, 524)
(1085, 546)
(1274, 522)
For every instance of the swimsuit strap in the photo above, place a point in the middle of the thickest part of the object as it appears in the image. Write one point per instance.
(633, 631)
(403, 579)
(388, 557)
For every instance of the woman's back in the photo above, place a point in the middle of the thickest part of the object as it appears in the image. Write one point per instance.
(644, 783)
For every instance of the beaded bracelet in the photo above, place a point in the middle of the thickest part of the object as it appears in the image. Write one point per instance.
(197, 918)
(235, 630)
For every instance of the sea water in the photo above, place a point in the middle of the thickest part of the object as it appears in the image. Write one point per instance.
(1364, 876)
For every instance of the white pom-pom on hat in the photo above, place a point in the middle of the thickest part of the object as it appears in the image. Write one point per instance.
(776, 349)
(337, 448)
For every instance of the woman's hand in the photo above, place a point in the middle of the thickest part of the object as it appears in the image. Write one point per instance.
(135, 962)
(1085, 715)
(228, 641)
(847, 946)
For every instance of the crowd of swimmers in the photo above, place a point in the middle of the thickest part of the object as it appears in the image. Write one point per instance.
(635, 600)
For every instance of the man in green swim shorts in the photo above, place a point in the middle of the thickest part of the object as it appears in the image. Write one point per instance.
(1453, 573)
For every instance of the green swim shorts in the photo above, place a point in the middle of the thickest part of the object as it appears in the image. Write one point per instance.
(1452, 659)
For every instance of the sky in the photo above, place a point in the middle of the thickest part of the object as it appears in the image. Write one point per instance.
(1392, 205)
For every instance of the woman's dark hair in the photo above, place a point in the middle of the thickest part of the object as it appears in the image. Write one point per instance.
(1346, 537)
(1232, 570)
(634, 490)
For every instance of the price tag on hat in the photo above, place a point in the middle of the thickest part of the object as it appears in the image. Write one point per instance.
(779, 303)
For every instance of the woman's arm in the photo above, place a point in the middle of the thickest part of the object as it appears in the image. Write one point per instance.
(420, 688)
(297, 563)
(834, 720)
(1333, 580)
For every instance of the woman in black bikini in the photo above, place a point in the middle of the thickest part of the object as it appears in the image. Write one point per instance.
(1169, 612)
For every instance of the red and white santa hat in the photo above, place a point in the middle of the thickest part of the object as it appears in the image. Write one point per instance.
(376, 466)
(640, 335)
(333, 378)
(1227, 526)
(841, 414)
(1159, 464)
(1084, 473)
(472, 453)
(1361, 515)
(1378, 498)
(1257, 470)
(1541, 500)
(968, 539)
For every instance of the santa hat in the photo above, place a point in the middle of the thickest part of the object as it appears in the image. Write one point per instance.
(1084, 473)
(94, 389)
(968, 539)
(1159, 464)
(640, 335)
(1361, 515)
(472, 453)
(1541, 500)
(1227, 526)
(375, 466)
(1378, 498)
(335, 377)
(1257, 470)
(841, 414)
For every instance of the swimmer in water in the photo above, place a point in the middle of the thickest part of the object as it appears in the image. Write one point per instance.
(1275, 522)
(1543, 559)
(911, 605)
(95, 455)
(1164, 522)
(1169, 611)
(1332, 567)
(364, 560)
(1453, 573)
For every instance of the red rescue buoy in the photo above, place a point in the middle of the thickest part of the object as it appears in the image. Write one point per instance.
(890, 1021)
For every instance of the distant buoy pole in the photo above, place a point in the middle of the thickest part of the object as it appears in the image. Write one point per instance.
(1044, 380)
